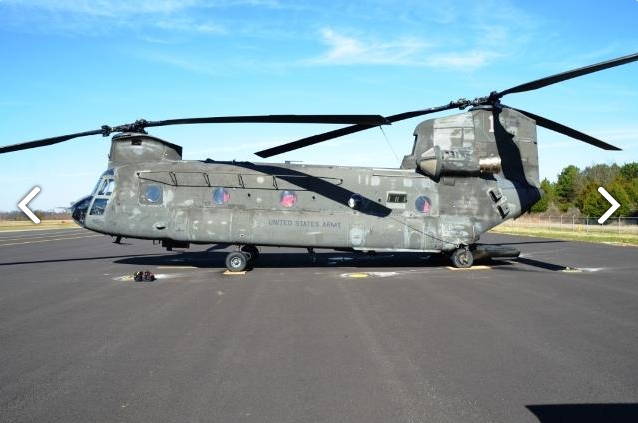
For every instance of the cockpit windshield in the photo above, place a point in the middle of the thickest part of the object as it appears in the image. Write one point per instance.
(105, 184)
(106, 187)
(101, 193)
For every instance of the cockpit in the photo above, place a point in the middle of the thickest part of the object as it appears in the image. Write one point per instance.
(95, 203)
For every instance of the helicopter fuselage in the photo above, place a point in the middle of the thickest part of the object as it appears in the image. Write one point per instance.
(448, 192)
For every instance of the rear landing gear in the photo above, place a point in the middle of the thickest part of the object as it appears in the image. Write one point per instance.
(462, 258)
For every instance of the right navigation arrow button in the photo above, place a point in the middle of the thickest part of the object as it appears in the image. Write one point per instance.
(614, 205)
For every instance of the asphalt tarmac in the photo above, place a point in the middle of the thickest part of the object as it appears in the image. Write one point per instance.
(344, 338)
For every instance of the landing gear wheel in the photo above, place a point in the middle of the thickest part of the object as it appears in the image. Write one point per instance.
(251, 252)
(236, 261)
(462, 258)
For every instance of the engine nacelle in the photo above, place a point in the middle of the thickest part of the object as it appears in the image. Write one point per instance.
(436, 162)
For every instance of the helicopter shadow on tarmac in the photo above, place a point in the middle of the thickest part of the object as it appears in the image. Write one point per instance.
(70, 260)
(290, 259)
(215, 258)
(585, 413)
(271, 257)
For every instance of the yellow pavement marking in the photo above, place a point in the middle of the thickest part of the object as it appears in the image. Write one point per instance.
(358, 275)
(125, 278)
(470, 268)
(229, 273)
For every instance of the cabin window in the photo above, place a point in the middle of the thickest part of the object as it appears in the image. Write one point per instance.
(288, 198)
(151, 193)
(221, 196)
(423, 204)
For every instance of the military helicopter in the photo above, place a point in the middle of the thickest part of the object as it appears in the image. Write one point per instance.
(466, 174)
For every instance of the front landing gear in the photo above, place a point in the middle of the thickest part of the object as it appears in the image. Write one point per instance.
(462, 258)
(238, 261)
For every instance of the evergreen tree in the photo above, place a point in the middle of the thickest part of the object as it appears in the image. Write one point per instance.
(629, 171)
(617, 190)
(568, 186)
(593, 203)
(548, 197)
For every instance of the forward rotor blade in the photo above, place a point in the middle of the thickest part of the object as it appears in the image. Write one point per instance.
(327, 119)
(565, 130)
(564, 76)
(46, 141)
(315, 139)
(138, 126)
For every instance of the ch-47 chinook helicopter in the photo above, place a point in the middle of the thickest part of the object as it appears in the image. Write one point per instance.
(466, 174)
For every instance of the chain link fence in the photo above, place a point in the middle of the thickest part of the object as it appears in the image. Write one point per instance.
(563, 223)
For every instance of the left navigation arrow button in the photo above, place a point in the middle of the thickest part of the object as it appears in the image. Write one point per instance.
(23, 205)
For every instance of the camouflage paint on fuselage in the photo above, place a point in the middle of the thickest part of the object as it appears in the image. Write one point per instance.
(159, 196)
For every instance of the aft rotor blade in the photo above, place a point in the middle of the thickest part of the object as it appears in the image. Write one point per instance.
(565, 130)
(46, 141)
(315, 139)
(305, 142)
(327, 119)
(564, 76)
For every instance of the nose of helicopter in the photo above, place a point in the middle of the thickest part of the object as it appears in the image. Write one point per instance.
(79, 209)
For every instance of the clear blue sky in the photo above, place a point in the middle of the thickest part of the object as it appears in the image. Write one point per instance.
(74, 65)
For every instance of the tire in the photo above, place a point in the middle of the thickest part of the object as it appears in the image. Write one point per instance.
(251, 252)
(462, 258)
(236, 261)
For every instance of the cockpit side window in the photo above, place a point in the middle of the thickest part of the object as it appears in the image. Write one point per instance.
(98, 207)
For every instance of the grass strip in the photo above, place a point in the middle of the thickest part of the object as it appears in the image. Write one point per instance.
(21, 225)
(606, 238)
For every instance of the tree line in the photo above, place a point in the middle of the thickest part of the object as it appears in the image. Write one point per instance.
(576, 191)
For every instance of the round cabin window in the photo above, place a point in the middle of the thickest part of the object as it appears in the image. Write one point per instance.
(221, 196)
(423, 204)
